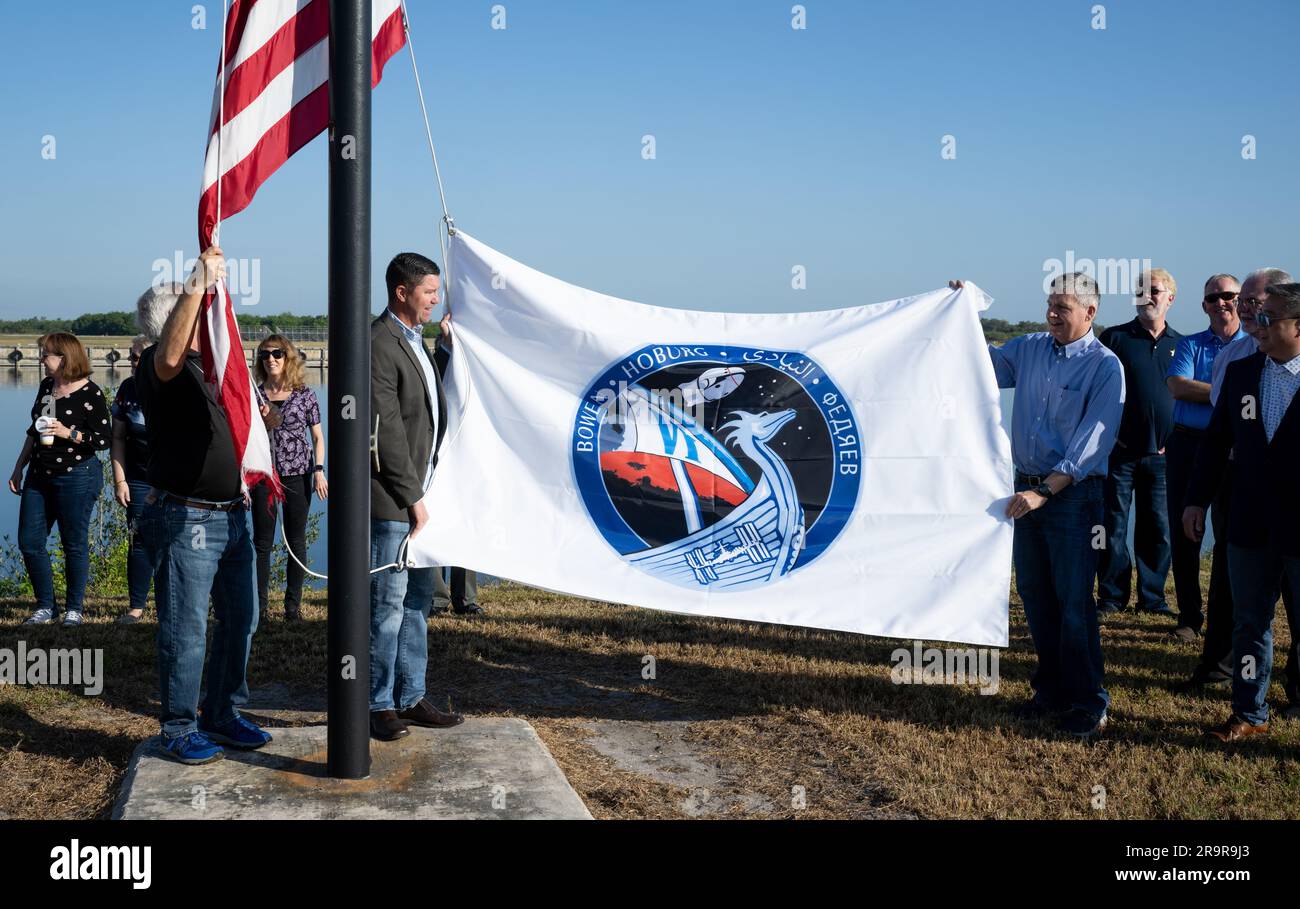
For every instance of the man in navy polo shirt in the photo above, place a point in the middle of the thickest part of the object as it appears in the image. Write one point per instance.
(1136, 475)
(1190, 375)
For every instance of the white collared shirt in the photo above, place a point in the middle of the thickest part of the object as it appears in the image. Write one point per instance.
(1277, 388)
(415, 338)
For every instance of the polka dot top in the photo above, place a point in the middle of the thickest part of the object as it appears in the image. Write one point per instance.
(86, 410)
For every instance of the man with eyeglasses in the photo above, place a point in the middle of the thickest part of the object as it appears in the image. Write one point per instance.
(1215, 664)
(1257, 422)
(1136, 474)
(1244, 344)
(1189, 382)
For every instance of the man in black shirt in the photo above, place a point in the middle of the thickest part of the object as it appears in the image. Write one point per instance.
(197, 531)
(1137, 464)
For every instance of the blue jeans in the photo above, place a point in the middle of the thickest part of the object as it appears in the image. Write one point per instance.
(1055, 566)
(139, 563)
(1257, 577)
(67, 500)
(201, 553)
(399, 621)
(1144, 477)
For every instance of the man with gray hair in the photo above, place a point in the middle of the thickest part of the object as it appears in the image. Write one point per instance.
(196, 531)
(153, 308)
(1245, 344)
(1215, 664)
(1068, 406)
(1257, 422)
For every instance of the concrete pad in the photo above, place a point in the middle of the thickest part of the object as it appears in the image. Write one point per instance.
(490, 767)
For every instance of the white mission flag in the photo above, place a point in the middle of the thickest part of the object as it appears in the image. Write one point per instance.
(843, 470)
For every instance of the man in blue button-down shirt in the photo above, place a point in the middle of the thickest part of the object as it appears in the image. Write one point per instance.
(1190, 373)
(1068, 405)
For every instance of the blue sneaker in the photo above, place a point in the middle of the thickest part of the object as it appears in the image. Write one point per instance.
(192, 748)
(237, 733)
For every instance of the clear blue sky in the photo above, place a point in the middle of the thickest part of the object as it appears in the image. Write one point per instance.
(775, 148)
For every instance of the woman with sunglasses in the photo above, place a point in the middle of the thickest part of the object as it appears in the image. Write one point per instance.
(130, 458)
(64, 475)
(291, 413)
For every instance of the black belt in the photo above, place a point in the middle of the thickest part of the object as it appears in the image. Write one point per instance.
(1179, 427)
(206, 506)
(1034, 480)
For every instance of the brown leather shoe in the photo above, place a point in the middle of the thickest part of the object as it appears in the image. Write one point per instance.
(385, 726)
(1234, 729)
(425, 714)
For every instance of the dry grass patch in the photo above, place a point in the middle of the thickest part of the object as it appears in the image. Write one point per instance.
(739, 720)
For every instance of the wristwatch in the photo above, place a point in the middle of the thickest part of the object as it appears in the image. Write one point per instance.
(1044, 490)
(319, 468)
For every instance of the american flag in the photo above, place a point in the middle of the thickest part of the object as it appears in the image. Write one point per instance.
(276, 100)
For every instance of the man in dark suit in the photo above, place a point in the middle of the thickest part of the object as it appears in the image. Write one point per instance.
(1257, 420)
(407, 402)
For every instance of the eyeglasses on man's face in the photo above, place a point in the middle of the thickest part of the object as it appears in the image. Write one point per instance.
(1228, 297)
(1154, 292)
(265, 355)
(1264, 318)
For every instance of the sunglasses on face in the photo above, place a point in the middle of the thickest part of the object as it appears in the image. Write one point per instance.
(265, 355)
(1263, 319)
(1227, 296)
(45, 354)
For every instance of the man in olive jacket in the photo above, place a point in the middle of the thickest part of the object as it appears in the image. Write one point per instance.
(407, 401)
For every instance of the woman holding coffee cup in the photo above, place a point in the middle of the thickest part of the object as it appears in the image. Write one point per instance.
(70, 423)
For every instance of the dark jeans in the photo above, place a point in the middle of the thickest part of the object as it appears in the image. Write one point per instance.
(1138, 482)
(1258, 576)
(462, 594)
(1216, 649)
(139, 563)
(297, 503)
(201, 555)
(1180, 453)
(67, 500)
(1055, 566)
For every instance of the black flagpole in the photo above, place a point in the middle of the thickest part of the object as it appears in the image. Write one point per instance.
(349, 390)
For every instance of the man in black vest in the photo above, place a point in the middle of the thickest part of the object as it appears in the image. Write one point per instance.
(1256, 419)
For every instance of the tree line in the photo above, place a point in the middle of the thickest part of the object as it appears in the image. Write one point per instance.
(123, 324)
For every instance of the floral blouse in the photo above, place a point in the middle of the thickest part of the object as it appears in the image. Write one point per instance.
(291, 440)
(85, 409)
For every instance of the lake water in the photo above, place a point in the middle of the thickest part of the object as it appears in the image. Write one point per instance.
(18, 388)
